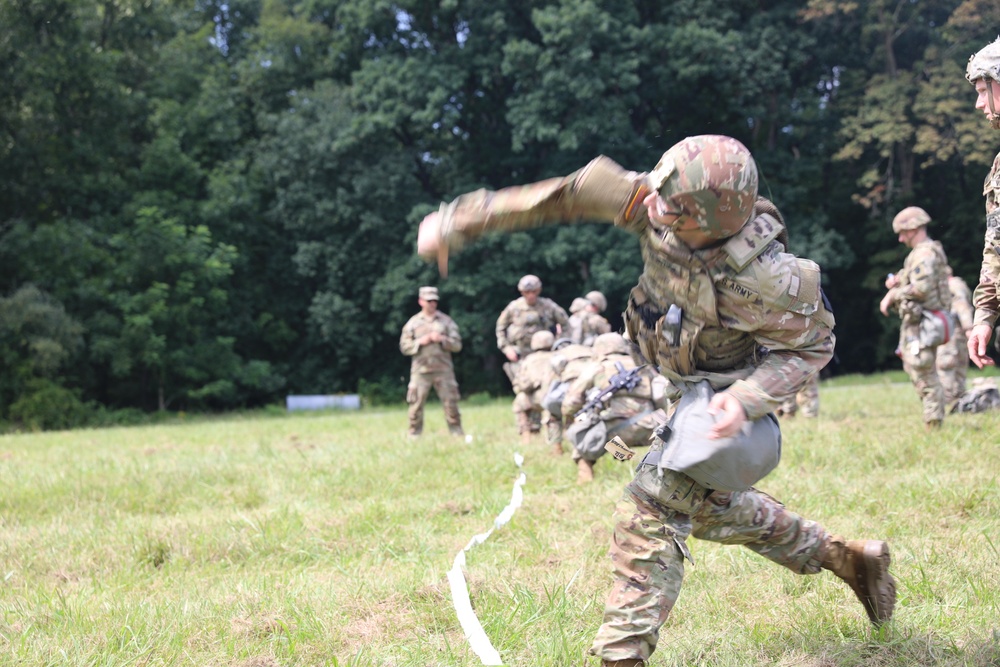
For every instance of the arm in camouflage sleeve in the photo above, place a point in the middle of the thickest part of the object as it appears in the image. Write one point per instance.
(797, 332)
(503, 344)
(602, 192)
(408, 344)
(986, 298)
(453, 337)
(576, 394)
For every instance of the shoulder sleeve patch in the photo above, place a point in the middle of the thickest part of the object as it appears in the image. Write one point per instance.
(802, 295)
(752, 240)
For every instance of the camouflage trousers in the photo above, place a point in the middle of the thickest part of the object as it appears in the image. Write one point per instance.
(952, 365)
(529, 420)
(920, 365)
(652, 523)
(446, 386)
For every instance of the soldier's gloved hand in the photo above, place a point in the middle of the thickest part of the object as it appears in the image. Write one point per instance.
(733, 415)
(979, 338)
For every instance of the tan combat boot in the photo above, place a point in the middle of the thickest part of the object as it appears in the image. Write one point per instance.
(557, 448)
(584, 471)
(631, 662)
(864, 565)
(932, 425)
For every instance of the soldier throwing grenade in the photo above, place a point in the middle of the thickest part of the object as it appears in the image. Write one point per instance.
(709, 247)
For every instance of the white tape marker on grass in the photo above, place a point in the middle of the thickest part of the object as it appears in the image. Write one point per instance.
(473, 629)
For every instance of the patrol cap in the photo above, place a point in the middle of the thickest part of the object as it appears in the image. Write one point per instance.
(542, 340)
(429, 293)
(579, 303)
(598, 300)
(911, 217)
(529, 283)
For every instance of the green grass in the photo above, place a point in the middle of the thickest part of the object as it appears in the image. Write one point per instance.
(325, 539)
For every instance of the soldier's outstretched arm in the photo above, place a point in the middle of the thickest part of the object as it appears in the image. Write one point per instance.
(602, 191)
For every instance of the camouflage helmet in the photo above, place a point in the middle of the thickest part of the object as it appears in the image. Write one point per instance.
(579, 303)
(985, 63)
(711, 178)
(911, 217)
(529, 283)
(542, 340)
(610, 343)
(598, 300)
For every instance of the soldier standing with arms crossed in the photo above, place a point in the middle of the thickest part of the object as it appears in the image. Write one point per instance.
(983, 71)
(430, 337)
(920, 287)
(716, 289)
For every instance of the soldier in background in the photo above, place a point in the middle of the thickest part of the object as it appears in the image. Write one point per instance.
(633, 414)
(921, 286)
(430, 337)
(568, 362)
(983, 71)
(953, 356)
(574, 330)
(805, 401)
(710, 250)
(592, 323)
(522, 318)
(535, 375)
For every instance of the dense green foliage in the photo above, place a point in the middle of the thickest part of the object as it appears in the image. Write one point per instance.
(208, 205)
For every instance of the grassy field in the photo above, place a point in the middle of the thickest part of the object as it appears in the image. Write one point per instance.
(325, 539)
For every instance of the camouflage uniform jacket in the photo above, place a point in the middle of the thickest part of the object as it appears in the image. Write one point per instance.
(986, 297)
(436, 357)
(623, 404)
(534, 377)
(961, 302)
(737, 298)
(568, 362)
(586, 326)
(519, 321)
(923, 282)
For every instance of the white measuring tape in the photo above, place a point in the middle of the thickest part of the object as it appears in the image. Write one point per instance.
(473, 629)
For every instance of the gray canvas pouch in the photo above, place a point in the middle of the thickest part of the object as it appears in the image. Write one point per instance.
(726, 464)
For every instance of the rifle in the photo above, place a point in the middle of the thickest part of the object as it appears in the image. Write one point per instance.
(623, 379)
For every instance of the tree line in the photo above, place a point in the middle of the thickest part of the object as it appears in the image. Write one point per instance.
(209, 204)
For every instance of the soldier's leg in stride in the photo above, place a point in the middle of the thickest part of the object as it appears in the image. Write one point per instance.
(522, 411)
(808, 398)
(923, 373)
(761, 523)
(553, 432)
(647, 555)
(416, 396)
(952, 362)
(447, 390)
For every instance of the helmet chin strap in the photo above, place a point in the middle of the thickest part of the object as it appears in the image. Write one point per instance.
(994, 117)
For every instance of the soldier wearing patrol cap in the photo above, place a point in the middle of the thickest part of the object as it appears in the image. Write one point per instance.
(430, 337)
(522, 318)
(717, 288)
(983, 71)
(917, 290)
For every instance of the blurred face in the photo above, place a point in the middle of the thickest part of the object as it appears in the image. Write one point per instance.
(683, 226)
(428, 307)
(911, 237)
(531, 296)
(988, 100)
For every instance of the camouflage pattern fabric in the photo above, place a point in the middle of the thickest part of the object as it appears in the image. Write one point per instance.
(652, 523)
(535, 375)
(737, 298)
(431, 366)
(623, 405)
(805, 401)
(585, 326)
(519, 321)
(986, 297)
(953, 356)
(923, 286)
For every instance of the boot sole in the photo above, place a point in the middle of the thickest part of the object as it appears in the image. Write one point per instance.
(877, 587)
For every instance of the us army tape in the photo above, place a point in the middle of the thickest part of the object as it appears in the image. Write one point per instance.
(473, 629)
